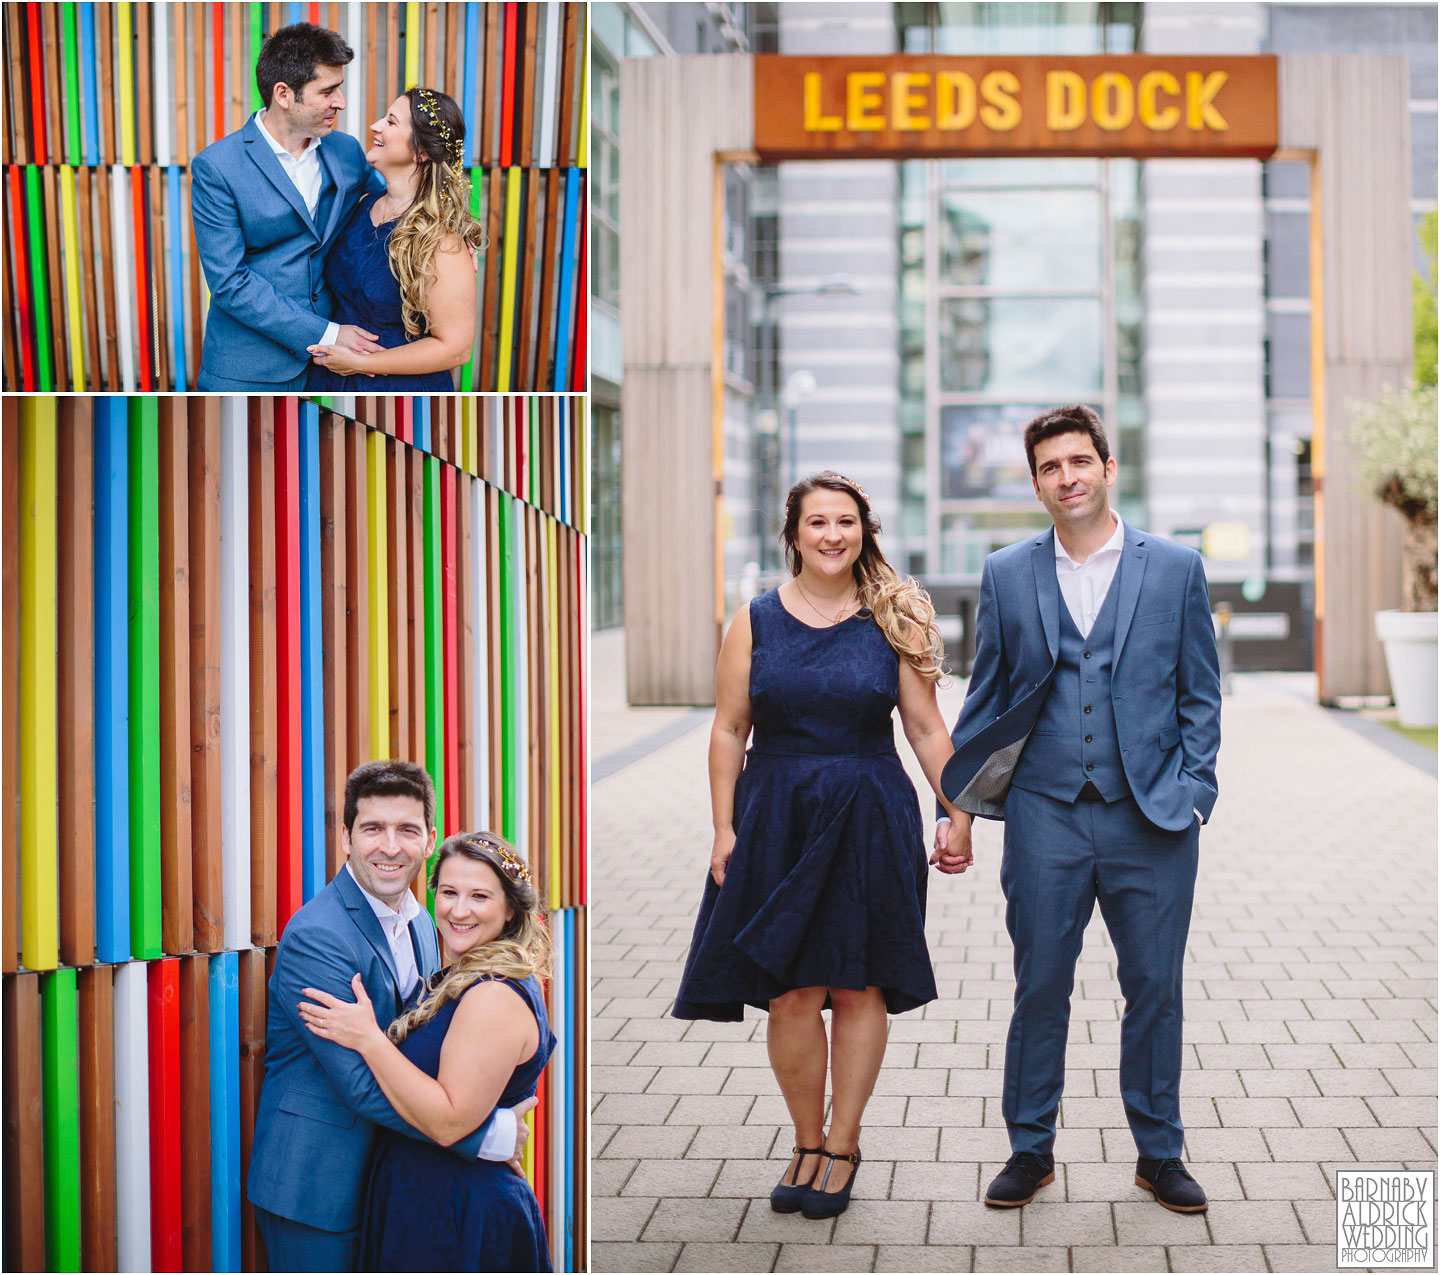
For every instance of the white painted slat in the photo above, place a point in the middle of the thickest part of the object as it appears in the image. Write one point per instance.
(164, 120)
(355, 75)
(124, 278)
(235, 671)
(132, 1117)
(553, 50)
(522, 694)
(480, 677)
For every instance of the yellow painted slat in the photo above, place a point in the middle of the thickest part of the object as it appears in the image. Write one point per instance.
(127, 84)
(69, 229)
(412, 44)
(507, 287)
(379, 599)
(38, 760)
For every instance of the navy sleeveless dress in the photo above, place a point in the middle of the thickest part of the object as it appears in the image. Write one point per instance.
(826, 885)
(427, 1209)
(368, 294)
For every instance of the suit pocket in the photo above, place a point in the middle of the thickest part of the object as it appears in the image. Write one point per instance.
(313, 1107)
(1168, 738)
(1158, 617)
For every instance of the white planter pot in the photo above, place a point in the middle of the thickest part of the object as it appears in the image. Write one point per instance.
(1409, 638)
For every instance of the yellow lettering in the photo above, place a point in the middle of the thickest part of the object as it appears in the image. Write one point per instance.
(862, 96)
(1200, 91)
(1153, 83)
(1112, 120)
(1064, 101)
(815, 119)
(905, 101)
(1003, 112)
(954, 100)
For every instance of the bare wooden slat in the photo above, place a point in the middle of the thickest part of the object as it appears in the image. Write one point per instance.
(570, 16)
(159, 288)
(491, 312)
(252, 1075)
(60, 330)
(95, 994)
(10, 704)
(195, 1113)
(530, 17)
(546, 251)
(264, 711)
(373, 104)
(393, 80)
(181, 101)
(105, 54)
(454, 38)
(332, 626)
(55, 152)
(357, 592)
(207, 863)
(24, 1137)
(490, 81)
(397, 586)
(85, 207)
(432, 44)
(177, 922)
(523, 377)
(240, 81)
(144, 115)
(194, 308)
(76, 630)
(18, 80)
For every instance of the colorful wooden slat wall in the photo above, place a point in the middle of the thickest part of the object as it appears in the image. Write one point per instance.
(98, 236)
(133, 1059)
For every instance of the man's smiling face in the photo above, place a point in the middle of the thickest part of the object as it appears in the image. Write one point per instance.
(387, 845)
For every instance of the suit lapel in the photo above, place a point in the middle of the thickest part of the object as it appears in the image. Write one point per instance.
(427, 953)
(369, 925)
(338, 199)
(1047, 590)
(265, 160)
(1132, 574)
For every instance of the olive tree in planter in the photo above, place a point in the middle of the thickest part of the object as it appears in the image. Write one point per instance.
(1395, 454)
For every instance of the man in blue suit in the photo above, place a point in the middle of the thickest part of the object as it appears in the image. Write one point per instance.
(267, 202)
(1090, 726)
(320, 1104)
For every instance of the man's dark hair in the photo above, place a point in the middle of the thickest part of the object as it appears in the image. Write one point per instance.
(389, 779)
(1075, 419)
(291, 55)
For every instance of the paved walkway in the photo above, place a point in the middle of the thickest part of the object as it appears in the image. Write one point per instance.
(1310, 1030)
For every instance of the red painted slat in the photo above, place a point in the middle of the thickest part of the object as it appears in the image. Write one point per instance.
(450, 637)
(163, 977)
(507, 92)
(288, 789)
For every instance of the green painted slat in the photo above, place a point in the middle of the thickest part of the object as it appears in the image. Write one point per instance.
(72, 83)
(508, 670)
(434, 651)
(532, 405)
(257, 38)
(60, 1063)
(467, 372)
(144, 678)
(39, 290)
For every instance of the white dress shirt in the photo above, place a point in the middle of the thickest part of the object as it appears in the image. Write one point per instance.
(499, 1143)
(304, 173)
(1084, 585)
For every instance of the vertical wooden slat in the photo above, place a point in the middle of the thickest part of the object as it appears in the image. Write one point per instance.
(491, 311)
(24, 1126)
(207, 865)
(224, 1115)
(397, 588)
(144, 650)
(524, 380)
(92, 307)
(194, 1086)
(132, 1118)
(288, 846)
(15, 47)
(98, 1250)
(60, 352)
(312, 670)
(233, 584)
(486, 152)
(332, 623)
(392, 85)
(107, 274)
(419, 670)
(357, 591)
(252, 1076)
(373, 104)
(177, 898)
(432, 44)
(465, 672)
(10, 704)
(76, 684)
(530, 15)
(546, 250)
(144, 116)
(564, 151)
(159, 286)
(450, 646)
(182, 97)
(163, 1021)
(264, 769)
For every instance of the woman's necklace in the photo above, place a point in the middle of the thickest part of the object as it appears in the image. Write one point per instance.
(839, 617)
(386, 212)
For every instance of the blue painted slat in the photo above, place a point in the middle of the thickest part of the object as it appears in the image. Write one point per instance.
(112, 680)
(420, 414)
(469, 94)
(92, 97)
(572, 1030)
(177, 278)
(312, 707)
(564, 329)
(225, 1111)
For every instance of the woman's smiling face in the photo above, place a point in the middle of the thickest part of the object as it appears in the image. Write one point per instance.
(391, 140)
(470, 905)
(830, 535)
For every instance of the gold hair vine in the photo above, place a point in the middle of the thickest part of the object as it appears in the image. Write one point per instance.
(851, 483)
(514, 866)
(431, 110)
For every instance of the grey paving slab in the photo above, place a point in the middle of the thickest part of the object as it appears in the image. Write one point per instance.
(1310, 1032)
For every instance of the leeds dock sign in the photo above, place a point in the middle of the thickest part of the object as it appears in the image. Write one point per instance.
(1146, 106)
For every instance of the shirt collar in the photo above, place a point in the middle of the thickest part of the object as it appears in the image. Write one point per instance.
(408, 910)
(312, 144)
(1114, 545)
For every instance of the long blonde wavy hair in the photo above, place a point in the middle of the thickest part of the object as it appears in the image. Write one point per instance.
(522, 948)
(441, 205)
(901, 608)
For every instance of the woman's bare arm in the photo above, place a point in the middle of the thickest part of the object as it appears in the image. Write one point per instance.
(728, 734)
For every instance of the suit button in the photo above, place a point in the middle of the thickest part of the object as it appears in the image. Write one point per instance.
(315, 296)
(1087, 708)
(1087, 655)
(1089, 739)
(1089, 765)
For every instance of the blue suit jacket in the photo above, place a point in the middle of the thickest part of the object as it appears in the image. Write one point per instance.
(264, 257)
(319, 1105)
(1165, 682)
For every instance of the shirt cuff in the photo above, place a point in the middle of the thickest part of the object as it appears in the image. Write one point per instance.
(332, 333)
(499, 1143)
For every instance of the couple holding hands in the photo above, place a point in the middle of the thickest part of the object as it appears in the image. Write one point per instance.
(1090, 726)
(326, 262)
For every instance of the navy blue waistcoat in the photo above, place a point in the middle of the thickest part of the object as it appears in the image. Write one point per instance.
(1074, 739)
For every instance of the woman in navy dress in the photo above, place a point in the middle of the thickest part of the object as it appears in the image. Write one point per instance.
(816, 892)
(478, 1039)
(403, 267)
